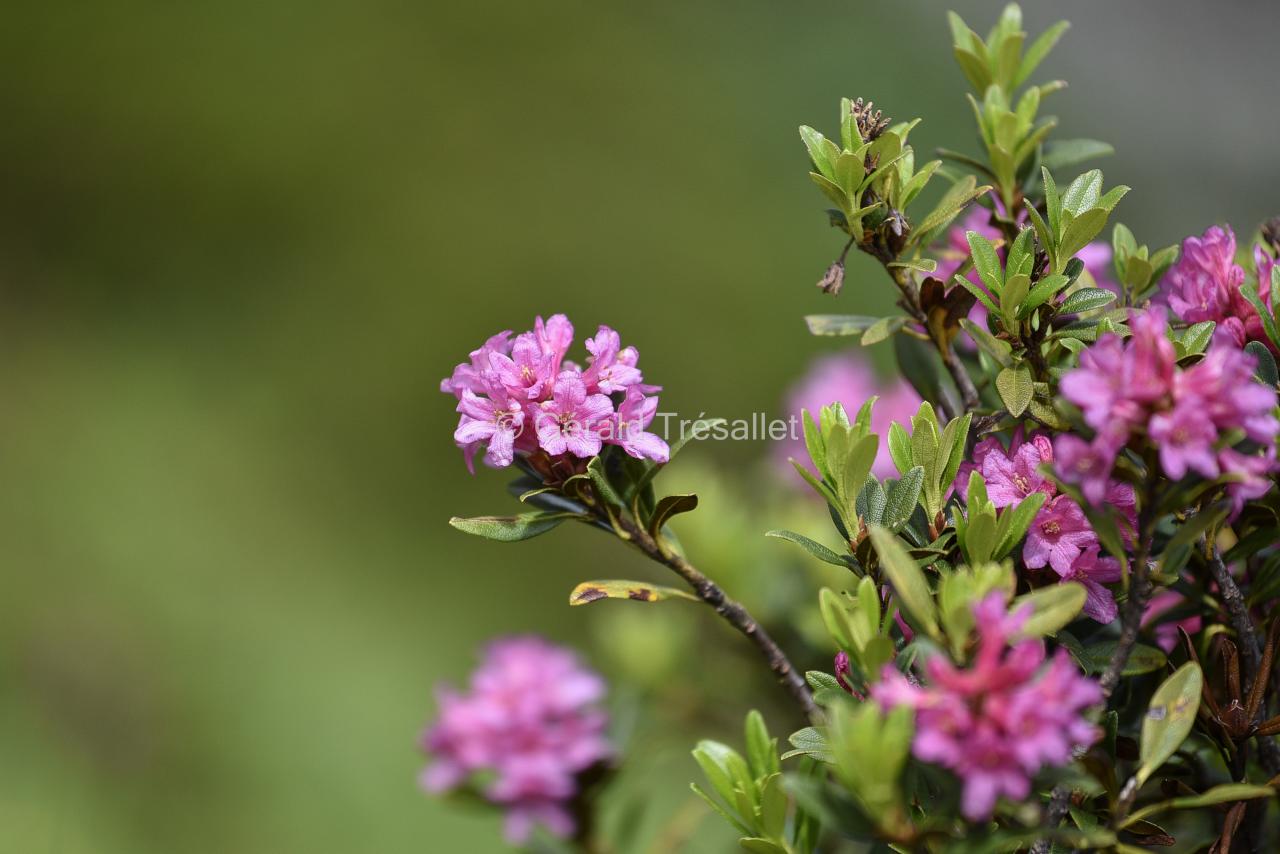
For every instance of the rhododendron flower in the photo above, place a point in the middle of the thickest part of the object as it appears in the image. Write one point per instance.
(571, 420)
(525, 730)
(521, 396)
(846, 378)
(1166, 632)
(1092, 571)
(1205, 285)
(996, 723)
(1058, 535)
(1130, 387)
(1012, 477)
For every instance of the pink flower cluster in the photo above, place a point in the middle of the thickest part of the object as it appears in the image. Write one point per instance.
(848, 379)
(1205, 285)
(520, 395)
(996, 723)
(1127, 388)
(1060, 537)
(527, 728)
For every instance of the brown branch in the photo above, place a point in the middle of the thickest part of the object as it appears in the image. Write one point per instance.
(733, 613)
(1238, 611)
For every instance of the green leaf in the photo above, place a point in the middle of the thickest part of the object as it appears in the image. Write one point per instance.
(510, 529)
(1142, 659)
(1014, 522)
(1266, 369)
(1015, 388)
(637, 591)
(1037, 51)
(1079, 230)
(1169, 718)
(961, 193)
(1069, 152)
(882, 329)
(813, 547)
(1083, 193)
(600, 481)
(906, 578)
(1228, 793)
(1053, 608)
(720, 809)
(900, 448)
(903, 495)
(762, 751)
(986, 261)
(1250, 292)
(835, 193)
(994, 347)
(1196, 338)
(1044, 290)
(1086, 299)
(810, 741)
(978, 292)
(818, 153)
(839, 324)
(668, 507)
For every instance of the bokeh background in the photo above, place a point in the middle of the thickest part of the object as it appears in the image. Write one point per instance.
(240, 243)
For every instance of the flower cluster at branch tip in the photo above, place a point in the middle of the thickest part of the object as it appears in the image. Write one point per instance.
(520, 396)
(996, 723)
(525, 731)
(1192, 415)
(1060, 536)
(846, 378)
(1205, 285)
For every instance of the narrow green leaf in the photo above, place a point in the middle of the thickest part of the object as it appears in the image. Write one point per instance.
(986, 261)
(636, 591)
(762, 751)
(906, 578)
(813, 547)
(1037, 51)
(1169, 718)
(1266, 369)
(882, 329)
(1052, 608)
(903, 496)
(839, 324)
(510, 529)
(1086, 299)
(1227, 793)
(1070, 152)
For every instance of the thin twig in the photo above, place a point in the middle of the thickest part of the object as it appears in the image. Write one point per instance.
(733, 613)
(1238, 611)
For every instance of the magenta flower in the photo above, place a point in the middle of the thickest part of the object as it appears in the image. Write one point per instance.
(634, 414)
(1088, 464)
(572, 420)
(846, 378)
(1185, 436)
(1250, 476)
(996, 723)
(1058, 535)
(1013, 477)
(1166, 631)
(496, 421)
(512, 385)
(1135, 387)
(527, 371)
(611, 368)
(1092, 571)
(1205, 285)
(523, 733)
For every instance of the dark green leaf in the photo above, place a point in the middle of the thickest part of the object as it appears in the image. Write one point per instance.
(668, 507)
(510, 529)
(813, 547)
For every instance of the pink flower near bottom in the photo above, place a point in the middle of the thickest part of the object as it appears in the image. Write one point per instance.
(528, 726)
(997, 722)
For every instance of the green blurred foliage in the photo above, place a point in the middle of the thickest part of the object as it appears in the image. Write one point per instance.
(242, 242)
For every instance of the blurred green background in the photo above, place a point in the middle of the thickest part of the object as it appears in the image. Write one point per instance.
(240, 243)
